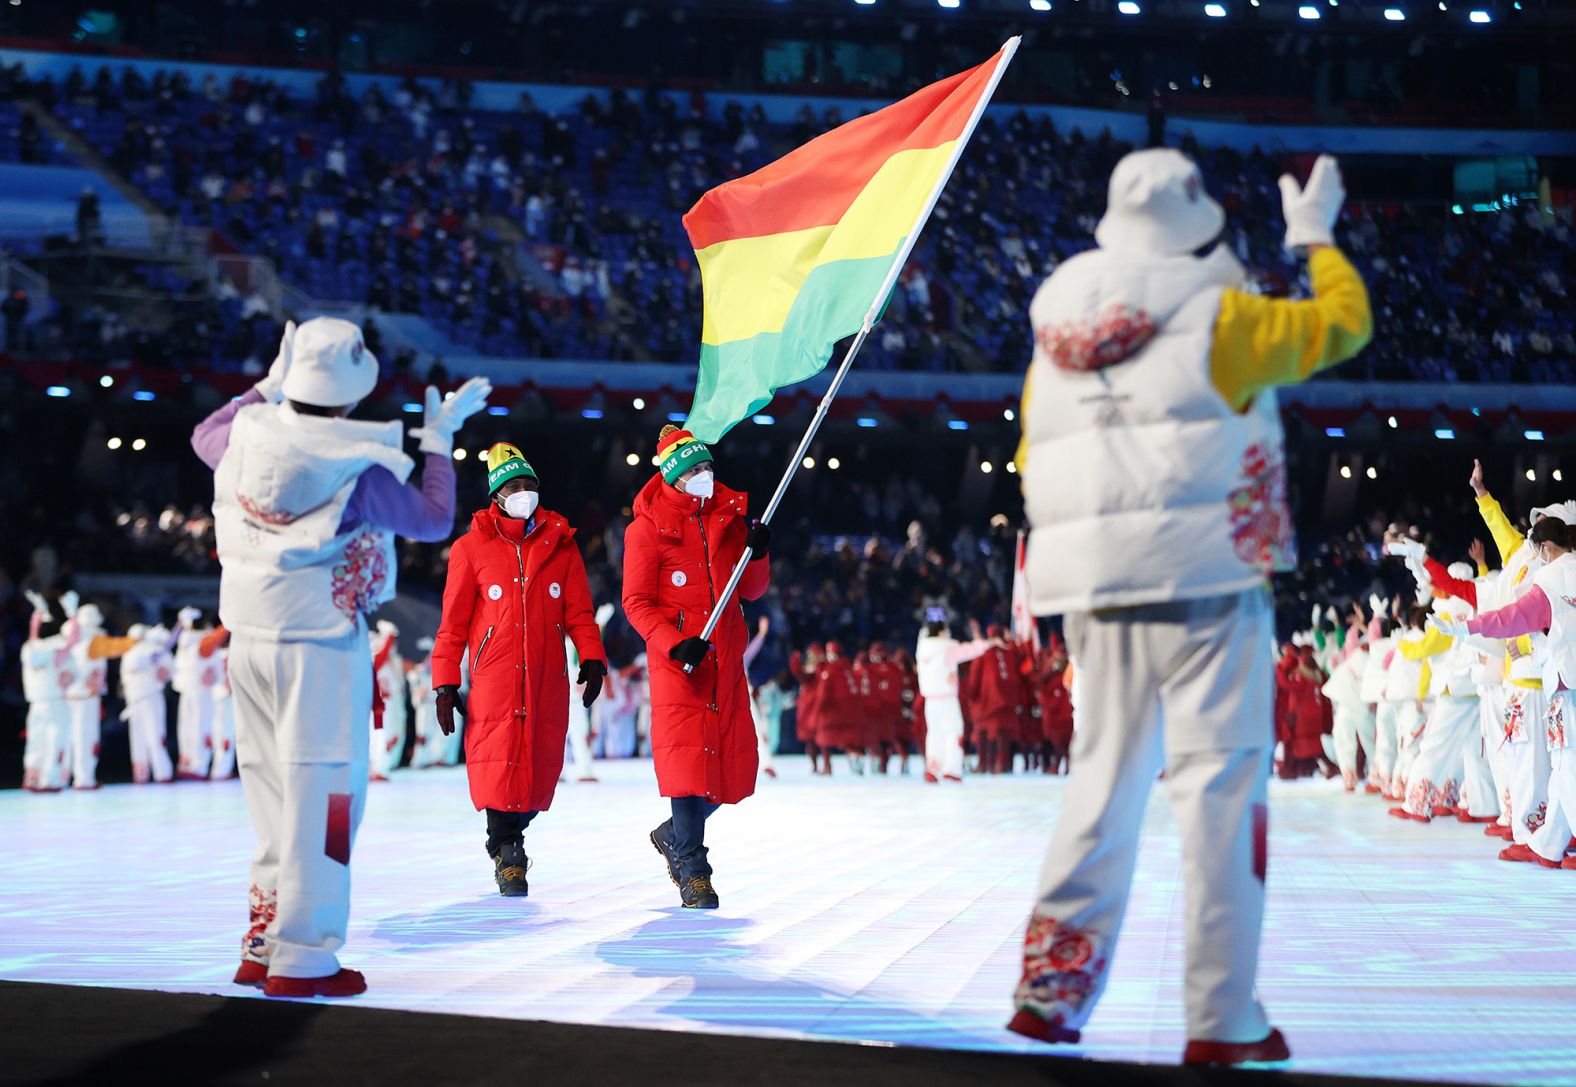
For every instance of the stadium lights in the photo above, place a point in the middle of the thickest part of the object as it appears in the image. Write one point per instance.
(1012, 468)
(113, 443)
(1478, 15)
(1532, 435)
(1039, 5)
(106, 381)
(1395, 15)
(142, 395)
(497, 409)
(460, 454)
(1559, 476)
(1392, 422)
(1008, 414)
(986, 467)
(1346, 471)
(590, 413)
(866, 421)
(1532, 476)
(1334, 432)
(639, 403)
(763, 420)
(411, 408)
(866, 3)
(140, 444)
(947, 3)
(957, 424)
(833, 463)
(633, 460)
(1215, 11)
(57, 391)
(1373, 473)
(808, 462)
(675, 416)
(656, 462)
(1308, 11)
(1127, 7)
(1444, 433)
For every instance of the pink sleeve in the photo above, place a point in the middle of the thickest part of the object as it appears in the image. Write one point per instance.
(212, 435)
(1529, 615)
(963, 652)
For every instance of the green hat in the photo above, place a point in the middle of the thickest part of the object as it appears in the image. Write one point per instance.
(677, 452)
(506, 462)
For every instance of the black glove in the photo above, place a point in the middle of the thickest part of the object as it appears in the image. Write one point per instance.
(591, 673)
(759, 541)
(449, 700)
(690, 651)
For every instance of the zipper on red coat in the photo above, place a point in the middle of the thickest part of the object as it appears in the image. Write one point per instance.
(716, 671)
(519, 736)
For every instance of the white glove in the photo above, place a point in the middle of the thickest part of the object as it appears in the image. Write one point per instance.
(1317, 613)
(1378, 605)
(1311, 210)
(444, 418)
(1409, 549)
(40, 605)
(1449, 625)
(273, 385)
(188, 616)
(603, 614)
(69, 600)
(1331, 617)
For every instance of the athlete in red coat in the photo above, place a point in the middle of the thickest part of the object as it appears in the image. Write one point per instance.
(884, 681)
(841, 718)
(688, 534)
(516, 586)
(998, 695)
(807, 713)
(1056, 706)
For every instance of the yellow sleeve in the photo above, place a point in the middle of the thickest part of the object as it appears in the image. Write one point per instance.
(1021, 457)
(103, 647)
(1506, 538)
(1425, 681)
(1433, 644)
(1482, 569)
(1264, 342)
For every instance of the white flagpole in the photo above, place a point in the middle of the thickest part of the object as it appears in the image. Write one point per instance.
(893, 272)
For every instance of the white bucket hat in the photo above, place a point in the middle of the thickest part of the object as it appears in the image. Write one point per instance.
(330, 365)
(1157, 206)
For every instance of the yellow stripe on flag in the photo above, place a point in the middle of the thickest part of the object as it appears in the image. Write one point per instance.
(750, 283)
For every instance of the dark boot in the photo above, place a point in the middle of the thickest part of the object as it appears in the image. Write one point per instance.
(662, 840)
(697, 893)
(509, 868)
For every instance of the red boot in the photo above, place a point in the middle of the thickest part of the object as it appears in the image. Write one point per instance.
(1030, 1025)
(930, 778)
(1272, 1048)
(1524, 853)
(1569, 863)
(251, 973)
(344, 983)
(1402, 813)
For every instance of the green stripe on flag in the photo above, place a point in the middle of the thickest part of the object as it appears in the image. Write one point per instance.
(738, 378)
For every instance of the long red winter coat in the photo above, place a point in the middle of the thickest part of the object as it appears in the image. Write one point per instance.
(678, 554)
(884, 680)
(843, 720)
(510, 598)
(1310, 712)
(806, 711)
(1056, 705)
(997, 694)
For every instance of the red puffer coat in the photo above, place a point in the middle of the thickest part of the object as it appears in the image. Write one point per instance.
(510, 598)
(997, 694)
(678, 554)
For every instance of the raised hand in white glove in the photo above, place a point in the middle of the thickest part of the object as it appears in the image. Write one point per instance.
(1449, 625)
(1378, 605)
(1311, 209)
(273, 384)
(1407, 548)
(188, 617)
(40, 605)
(444, 418)
(69, 601)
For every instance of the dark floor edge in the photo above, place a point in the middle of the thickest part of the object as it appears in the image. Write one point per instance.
(78, 1034)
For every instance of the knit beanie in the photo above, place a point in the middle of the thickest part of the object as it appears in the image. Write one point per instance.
(506, 462)
(677, 452)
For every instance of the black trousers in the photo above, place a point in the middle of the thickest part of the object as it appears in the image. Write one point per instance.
(506, 828)
(688, 834)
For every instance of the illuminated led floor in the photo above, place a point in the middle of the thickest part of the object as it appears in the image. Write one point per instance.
(856, 908)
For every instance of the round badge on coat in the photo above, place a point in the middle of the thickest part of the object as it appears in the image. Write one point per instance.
(553, 590)
(678, 578)
(495, 592)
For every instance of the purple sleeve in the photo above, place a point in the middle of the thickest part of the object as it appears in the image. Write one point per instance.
(424, 513)
(212, 435)
(1529, 615)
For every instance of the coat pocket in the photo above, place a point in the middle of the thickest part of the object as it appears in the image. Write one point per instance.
(476, 657)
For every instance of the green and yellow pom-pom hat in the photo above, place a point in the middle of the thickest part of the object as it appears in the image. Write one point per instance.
(677, 452)
(506, 462)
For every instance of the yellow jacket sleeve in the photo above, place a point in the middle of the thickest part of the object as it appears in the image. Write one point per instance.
(1424, 682)
(1021, 457)
(1506, 538)
(1264, 342)
(104, 647)
(1433, 644)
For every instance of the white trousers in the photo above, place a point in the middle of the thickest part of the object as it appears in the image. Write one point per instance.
(146, 720)
(944, 737)
(1354, 727)
(428, 744)
(1408, 719)
(48, 744)
(1188, 685)
(85, 715)
(1385, 743)
(194, 731)
(1551, 839)
(763, 736)
(1437, 770)
(1491, 709)
(301, 711)
(223, 738)
(579, 738)
(388, 742)
(1527, 763)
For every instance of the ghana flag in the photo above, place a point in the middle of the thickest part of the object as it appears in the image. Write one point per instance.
(793, 256)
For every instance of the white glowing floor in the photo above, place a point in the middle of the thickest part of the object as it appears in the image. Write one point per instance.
(873, 909)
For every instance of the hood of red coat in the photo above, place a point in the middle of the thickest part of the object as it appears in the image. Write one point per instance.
(667, 507)
(490, 521)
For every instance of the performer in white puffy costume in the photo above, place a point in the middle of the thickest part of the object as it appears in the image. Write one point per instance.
(46, 673)
(1353, 727)
(91, 650)
(223, 766)
(1381, 644)
(197, 679)
(1153, 479)
(145, 672)
(1403, 711)
(391, 722)
(424, 709)
(937, 657)
(306, 507)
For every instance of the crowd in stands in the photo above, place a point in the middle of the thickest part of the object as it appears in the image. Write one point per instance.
(529, 234)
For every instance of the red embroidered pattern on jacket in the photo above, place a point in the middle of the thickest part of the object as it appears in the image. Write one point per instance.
(359, 579)
(1061, 966)
(1260, 525)
(258, 513)
(1116, 333)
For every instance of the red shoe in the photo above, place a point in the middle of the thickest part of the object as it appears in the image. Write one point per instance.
(1272, 1048)
(586, 780)
(770, 772)
(187, 775)
(344, 983)
(1468, 817)
(1030, 1025)
(1524, 853)
(931, 778)
(1402, 813)
(1498, 830)
(1569, 863)
(1370, 787)
(1440, 811)
(952, 777)
(380, 777)
(252, 973)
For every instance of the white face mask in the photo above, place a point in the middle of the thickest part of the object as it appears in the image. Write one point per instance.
(700, 484)
(521, 504)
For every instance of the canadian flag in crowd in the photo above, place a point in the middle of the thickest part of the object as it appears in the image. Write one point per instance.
(1025, 631)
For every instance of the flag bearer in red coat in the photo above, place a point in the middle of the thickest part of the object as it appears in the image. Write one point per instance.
(516, 588)
(688, 534)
